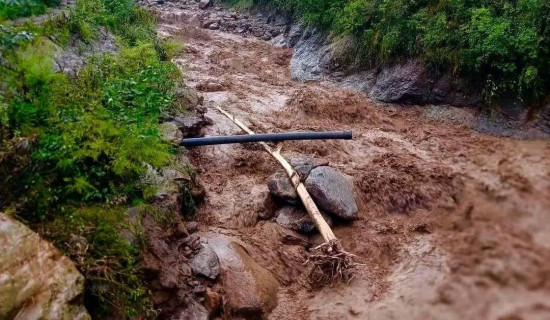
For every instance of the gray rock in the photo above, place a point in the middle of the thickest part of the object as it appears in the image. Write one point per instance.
(73, 58)
(297, 219)
(214, 26)
(294, 35)
(36, 280)
(311, 57)
(410, 82)
(188, 97)
(250, 289)
(206, 262)
(332, 192)
(302, 166)
(406, 82)
(280, 186)
(203, 4)
(170, 132)
(190, 126)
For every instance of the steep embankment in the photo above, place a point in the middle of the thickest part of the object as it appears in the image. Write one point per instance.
(452, 223)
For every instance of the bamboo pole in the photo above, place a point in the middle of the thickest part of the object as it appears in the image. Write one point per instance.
(308, 202)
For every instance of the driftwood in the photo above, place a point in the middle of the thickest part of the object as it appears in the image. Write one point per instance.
(327, 262)
(308, 202)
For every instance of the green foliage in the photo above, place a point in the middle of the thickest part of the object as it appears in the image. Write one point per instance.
(97, 132)
(502, 45)
(109, 262)
(10, 9)
(74, 149)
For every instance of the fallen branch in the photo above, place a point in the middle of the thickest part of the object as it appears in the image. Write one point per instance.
(328, 262)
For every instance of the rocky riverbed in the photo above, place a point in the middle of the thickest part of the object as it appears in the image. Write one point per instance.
(449, 222)
(447, 219)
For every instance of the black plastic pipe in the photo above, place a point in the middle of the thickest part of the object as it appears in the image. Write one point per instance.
(206, 141)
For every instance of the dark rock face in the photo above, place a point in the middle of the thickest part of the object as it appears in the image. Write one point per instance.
(403, 82)
(297, 219)
(280, 186)
(410, 82)
(250, 289)
(332, 192)
(206, 263)
(316, 56)
(544, 121)
(312, 56)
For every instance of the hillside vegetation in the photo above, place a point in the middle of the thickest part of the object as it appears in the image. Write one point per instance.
(501, 45)
(73, 149)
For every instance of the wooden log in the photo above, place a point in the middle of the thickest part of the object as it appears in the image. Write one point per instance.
(308, 202)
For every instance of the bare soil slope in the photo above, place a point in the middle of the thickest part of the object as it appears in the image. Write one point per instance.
(454, 224)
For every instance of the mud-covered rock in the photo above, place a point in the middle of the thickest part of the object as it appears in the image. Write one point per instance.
(205, 262)
(212, 301)
(332, 192)
(297, 219)
(192, 311)
(281, 187)
(36, 280)
(250, 289)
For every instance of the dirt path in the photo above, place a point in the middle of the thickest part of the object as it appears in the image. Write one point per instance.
(453, 224)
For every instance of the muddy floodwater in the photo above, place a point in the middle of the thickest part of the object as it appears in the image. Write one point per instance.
(453, 223)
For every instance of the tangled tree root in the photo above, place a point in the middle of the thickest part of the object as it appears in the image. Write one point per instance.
(328, 264)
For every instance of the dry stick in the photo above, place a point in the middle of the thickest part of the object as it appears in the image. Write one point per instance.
(308, 202)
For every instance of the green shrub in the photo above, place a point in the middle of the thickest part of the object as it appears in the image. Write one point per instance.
(10, 9)
(87, 140)
(110, 263)
(503, 45)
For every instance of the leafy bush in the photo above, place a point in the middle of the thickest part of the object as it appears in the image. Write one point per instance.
(10, 9)
(502, 45)
(74, 149)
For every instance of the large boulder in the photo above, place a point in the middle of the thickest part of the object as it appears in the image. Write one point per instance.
(297, 219)
(411, 82)
(250, 289)
(36, 280)
(332, 192)
(279, 183)
(403, 82)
